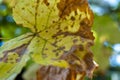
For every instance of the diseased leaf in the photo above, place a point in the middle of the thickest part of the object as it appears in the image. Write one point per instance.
(55, 23)
(42, 52)
(13, 56)
(64, 15)
(80, 60)
(55, 73)
(61, 35)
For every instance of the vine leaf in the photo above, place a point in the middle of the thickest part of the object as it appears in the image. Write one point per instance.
(59, 28)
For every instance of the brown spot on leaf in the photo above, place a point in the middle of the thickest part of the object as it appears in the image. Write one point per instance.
(55, 73)
(67, 6)
(23, 8)
(84, 30)
(81, 47)
(61, 48)
(90, 65)
(44, 55)
(54, 44)
(66, 28)
(75, 40)
(46, 31)
(72, 18)
(46, 2)
(79, 64)
(57, 54)
(46, 48)
(19, 51)
(54, 50)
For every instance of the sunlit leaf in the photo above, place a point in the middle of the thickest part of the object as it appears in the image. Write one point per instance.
(55, 22)
(66, 16)
(61, 34)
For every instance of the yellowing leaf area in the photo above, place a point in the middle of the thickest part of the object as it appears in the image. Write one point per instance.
(60, 36)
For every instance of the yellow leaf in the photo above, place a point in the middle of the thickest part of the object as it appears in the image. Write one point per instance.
(13, 57)
(58, 25)
(60, 29)
(65, 15)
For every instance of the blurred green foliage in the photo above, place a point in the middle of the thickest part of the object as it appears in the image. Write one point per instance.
(106, 30)
(8, 28)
